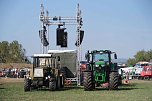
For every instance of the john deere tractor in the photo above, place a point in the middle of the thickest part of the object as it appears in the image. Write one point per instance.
(100, 70)
(45, 73)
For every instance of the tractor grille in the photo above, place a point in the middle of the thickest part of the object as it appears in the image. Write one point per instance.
(99, 77)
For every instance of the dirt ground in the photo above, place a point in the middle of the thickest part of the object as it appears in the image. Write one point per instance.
(5, 80)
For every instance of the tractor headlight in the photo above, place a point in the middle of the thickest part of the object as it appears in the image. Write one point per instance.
(97, 65)
(102, 65)
(46, 78)
(49, 76)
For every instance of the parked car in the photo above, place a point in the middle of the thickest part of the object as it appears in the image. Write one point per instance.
(146, 73)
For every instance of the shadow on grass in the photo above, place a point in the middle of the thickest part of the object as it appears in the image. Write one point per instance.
(128, 86)
(2, 88)
(127, 89)
(120, 88)
(61, 89)
(70, 87)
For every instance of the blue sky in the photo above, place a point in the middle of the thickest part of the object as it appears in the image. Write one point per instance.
(123, 26)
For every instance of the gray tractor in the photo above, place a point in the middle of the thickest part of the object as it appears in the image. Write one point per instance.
(46, 72)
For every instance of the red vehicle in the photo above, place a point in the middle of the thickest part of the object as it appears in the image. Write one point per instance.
(147, 72)
(83, 65)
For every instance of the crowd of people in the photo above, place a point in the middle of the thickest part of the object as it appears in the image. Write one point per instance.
(14, 72)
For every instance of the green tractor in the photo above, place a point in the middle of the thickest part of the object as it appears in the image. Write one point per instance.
(46, 72)
(100, 70)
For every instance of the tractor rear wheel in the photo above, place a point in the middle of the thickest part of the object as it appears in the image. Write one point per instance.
(52, 85)
(113, 80)
(88, 81)
(27, 84)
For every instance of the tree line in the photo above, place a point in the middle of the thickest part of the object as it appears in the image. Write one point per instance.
(12, 52)
(141, 55)
(15, 53)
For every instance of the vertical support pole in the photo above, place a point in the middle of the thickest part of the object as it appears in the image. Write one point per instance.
(47, 25)
(48, 38)
(78, 45)
(42, 23)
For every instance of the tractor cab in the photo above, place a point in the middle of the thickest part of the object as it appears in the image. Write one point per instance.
(103, 59)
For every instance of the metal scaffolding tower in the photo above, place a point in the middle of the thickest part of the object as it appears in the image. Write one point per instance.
(47, 21)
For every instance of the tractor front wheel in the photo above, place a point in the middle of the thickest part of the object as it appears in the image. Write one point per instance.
(88, 81)
(27, 84)
(52, 85)
(113, 80)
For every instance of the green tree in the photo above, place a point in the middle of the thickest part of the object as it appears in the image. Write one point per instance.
(148, 55)
(140, 56)
(4, 50)
(16, 52)
(12, 52)
(131, 61)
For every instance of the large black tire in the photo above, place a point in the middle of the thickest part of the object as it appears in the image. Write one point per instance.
(88, 81)
(140, 78)
(113, 81)
(61, 81)
(146, 77)
(58, 83)
(81, 78)
(27, 84)
(120, 80)
(52, 85)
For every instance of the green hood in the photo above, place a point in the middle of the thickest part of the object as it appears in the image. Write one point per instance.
(100, 63)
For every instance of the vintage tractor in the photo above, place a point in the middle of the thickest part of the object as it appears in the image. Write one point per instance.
(45, 73)
(100, 70)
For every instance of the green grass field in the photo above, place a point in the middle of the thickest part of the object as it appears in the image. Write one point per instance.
(135, 91)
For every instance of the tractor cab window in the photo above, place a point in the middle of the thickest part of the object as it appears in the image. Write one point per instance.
(44, 62)
(101, 57)
(149, 69)
(150, 64)
(144, 69)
